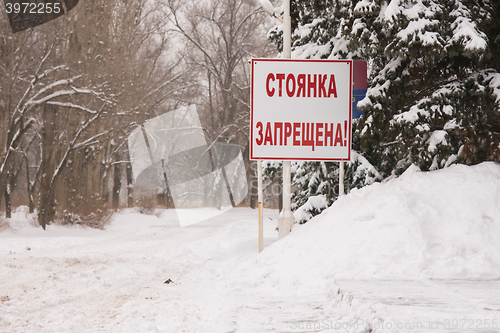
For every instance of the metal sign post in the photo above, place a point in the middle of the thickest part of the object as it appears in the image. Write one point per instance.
(286, 220)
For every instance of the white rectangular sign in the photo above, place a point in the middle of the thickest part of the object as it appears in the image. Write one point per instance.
(301, 109)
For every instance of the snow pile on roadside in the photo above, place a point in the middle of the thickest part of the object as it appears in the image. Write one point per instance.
(442, 224)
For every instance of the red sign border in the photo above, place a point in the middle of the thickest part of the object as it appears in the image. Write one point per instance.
(252, 157)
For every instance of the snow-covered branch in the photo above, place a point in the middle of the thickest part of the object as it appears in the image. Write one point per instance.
(49, 97)
(71, 105)
(52, 85)
(90, 141)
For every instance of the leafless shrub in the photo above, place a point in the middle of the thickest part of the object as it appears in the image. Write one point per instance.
(90, 212)
(146, 205)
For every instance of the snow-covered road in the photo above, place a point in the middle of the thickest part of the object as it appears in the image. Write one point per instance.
(84, 280)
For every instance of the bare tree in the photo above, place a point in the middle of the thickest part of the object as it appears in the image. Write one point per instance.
(77, 86)
(223, 35)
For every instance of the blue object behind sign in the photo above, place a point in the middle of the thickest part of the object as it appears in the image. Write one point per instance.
(358, 94)
(360, 72)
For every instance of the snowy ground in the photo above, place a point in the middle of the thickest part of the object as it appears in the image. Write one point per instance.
(431, 305)
(82, 280)
(419, 253)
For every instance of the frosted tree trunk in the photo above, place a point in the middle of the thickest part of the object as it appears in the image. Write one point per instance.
(8, 207)
(46, 206)
(117, 184)
(130, 179)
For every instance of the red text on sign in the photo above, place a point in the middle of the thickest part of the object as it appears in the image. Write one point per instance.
(301, 134)
(302, 85)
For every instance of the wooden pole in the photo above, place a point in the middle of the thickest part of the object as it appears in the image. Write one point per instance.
(261, 208)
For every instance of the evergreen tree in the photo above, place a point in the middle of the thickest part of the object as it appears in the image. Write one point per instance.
(434, 85)
(434, 92)
(317, 183)
(321, 179)
(434, 82)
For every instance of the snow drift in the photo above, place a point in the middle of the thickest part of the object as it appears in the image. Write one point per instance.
(442, 224)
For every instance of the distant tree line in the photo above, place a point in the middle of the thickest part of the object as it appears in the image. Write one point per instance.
(73, 89)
